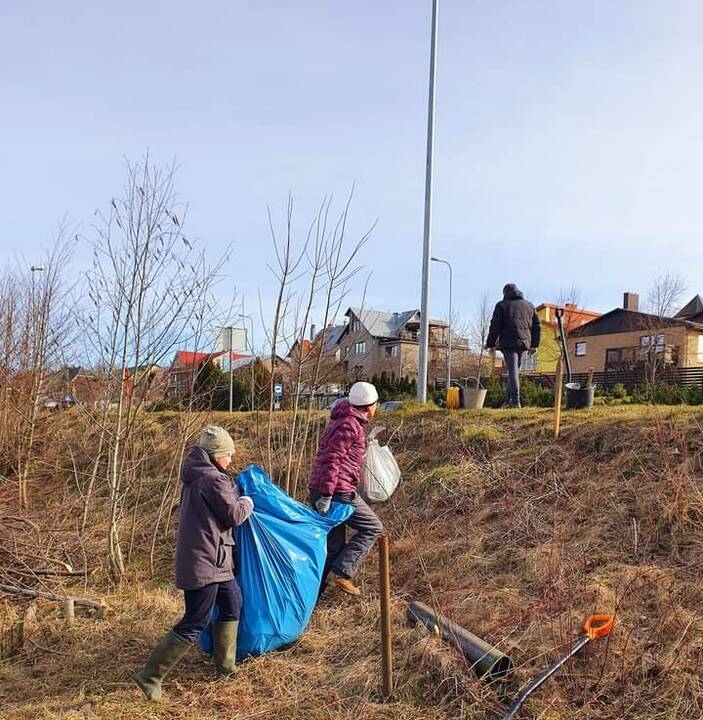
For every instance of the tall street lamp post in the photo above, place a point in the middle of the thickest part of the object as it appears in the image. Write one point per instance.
(427, 241)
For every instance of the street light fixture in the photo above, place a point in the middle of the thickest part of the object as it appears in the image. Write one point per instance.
(449, 348)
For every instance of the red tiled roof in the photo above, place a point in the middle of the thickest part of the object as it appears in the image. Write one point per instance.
(573, 316)
(191, 359)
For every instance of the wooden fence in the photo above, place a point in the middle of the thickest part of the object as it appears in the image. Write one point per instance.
(631, 379)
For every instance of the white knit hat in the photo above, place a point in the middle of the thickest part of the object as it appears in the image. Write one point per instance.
(362, 394)
(216, 441)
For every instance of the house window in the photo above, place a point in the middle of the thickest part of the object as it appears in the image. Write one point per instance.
(393, 351)
(346, 351)
(700, 348)
(580, 349)
(360, 347)
(613, 357)
(648, 340)
(355, 325)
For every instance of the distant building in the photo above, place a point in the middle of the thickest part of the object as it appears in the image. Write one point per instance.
(626, 339)
(545, 360)
(388, 343)
(187, 364)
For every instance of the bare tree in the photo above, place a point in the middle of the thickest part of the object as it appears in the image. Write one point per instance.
(288, 262)
(34, 319)
(148, 291)
(664, 296)
(340, 269)
(570, 296)
(480, 327)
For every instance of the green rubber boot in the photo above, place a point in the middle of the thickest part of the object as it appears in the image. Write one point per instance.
(168, 651)
(224, 636)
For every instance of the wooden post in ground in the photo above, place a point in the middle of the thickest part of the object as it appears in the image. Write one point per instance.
(493, 363)
(591, 370)
(558, 388)
(69, 610)
(384, 567)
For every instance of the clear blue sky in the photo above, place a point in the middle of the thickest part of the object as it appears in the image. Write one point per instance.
(569, 143)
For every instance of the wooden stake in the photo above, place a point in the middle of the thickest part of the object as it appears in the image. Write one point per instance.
(557, 397)
(591, 370)
(384, 567)
(493, 363)
(69, 610)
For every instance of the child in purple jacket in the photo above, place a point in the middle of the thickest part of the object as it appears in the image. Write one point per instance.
(336, 475)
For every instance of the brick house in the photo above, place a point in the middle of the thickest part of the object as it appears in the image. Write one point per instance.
(627, 339)
(377, 343)
(187, 364)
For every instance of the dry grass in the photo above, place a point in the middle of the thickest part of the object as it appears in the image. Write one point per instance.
(512, 535)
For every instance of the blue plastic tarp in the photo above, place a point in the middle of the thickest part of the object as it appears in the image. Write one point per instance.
(282, 549)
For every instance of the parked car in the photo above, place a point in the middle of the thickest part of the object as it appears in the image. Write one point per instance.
(391, 405)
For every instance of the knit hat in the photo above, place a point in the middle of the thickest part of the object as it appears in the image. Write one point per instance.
(362, 394)
(216, 441)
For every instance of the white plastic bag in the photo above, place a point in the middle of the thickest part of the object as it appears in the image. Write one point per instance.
(380, 474)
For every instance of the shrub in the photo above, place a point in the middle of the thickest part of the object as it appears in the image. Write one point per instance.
(618, 391)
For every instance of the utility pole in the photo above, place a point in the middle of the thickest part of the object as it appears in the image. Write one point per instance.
(449, 341)
(427, 240)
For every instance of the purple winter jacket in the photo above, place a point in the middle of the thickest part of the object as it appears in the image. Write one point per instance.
(210, 507)
(337, 467)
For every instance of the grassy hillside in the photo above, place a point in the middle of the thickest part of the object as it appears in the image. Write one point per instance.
(513, 535)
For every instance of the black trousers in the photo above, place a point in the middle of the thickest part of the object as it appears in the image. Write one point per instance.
(199, 603)
(345, 558)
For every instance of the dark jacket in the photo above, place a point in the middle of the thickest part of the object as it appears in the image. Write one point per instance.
(210, 507)
(515, 325)
(337, 467)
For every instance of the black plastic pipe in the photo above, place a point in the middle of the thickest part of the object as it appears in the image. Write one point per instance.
(487, 661)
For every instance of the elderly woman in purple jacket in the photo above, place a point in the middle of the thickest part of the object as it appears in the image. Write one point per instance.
(336, 475)
(210, 507)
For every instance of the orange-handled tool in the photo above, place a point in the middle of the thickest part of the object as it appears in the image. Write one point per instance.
(594, 627)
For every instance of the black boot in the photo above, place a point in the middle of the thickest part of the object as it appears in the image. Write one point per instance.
(168, 651)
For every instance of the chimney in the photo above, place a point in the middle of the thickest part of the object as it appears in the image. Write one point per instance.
(631, 301)
(312, 331)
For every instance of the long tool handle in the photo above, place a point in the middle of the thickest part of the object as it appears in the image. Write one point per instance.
(594, 627)
(540, 679)
(562, 338)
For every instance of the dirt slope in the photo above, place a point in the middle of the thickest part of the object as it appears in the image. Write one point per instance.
(513, 535)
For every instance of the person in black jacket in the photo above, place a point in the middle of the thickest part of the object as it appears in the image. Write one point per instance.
(514, 329)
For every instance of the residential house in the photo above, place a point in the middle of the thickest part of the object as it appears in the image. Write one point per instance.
(187, 364)
(545, 359)
(314, 366)
(378, 343)
(626, 339)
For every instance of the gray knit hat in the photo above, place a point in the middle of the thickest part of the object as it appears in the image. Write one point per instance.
(216, 441)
